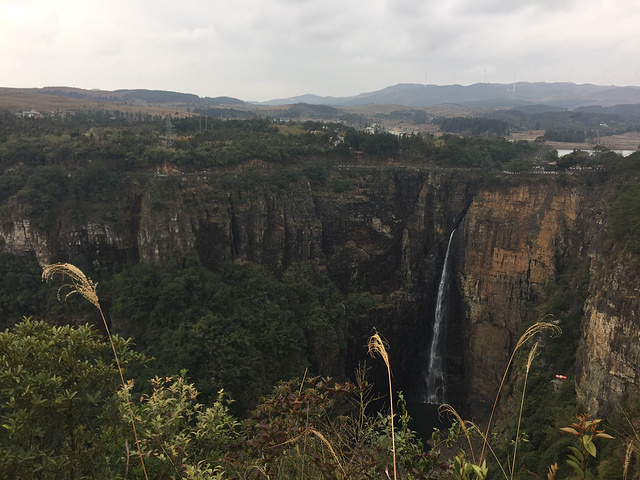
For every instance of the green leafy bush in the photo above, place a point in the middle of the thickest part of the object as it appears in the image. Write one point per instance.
(57, 387)
(179, 437)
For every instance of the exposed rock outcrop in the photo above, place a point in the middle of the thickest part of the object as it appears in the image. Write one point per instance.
(20, 238)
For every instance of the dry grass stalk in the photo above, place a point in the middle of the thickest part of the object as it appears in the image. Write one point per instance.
(532, 331)
(532, 355)
(466, 426)
(365, 397)
(633, 444)
(378, 345)
(627, 460)
(326, 442)
(305, 433)
(85, 287)
(305, 440)
(448, 409)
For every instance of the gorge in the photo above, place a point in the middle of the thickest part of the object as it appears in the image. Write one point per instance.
(517, 238)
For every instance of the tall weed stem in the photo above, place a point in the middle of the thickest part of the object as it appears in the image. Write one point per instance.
(526, 336)
(532, 355)
(85, 287)
(377, 345)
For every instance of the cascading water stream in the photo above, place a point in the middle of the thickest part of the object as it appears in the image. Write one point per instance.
(435, 372)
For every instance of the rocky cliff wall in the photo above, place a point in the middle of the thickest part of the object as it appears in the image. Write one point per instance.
(387, 234)
(374, 236)
(512, 243)
(608, 362)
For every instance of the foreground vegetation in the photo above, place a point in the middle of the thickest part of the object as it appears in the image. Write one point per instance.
(69, 414)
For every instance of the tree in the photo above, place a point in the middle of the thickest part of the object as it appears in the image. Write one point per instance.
(625, 218)
(57, 386)
(40, 196)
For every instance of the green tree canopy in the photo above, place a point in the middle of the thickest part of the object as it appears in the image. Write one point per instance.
(625, 218)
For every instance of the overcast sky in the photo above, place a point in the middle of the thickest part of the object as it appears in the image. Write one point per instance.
(265, 49)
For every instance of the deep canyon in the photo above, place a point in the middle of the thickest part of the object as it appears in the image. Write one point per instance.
(387, 235)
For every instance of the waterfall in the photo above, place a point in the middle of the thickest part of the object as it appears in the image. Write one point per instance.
(435, 372)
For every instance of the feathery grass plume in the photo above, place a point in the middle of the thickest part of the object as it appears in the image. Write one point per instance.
(79, 282)
(378, 345)
(532, 331)
(85, 287)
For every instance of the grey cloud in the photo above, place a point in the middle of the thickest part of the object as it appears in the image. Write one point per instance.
(259, 49)
(485, 8)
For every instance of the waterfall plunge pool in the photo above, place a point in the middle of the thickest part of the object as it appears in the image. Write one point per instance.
(424, 418)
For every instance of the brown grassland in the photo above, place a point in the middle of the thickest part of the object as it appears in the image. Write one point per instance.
(19, 99)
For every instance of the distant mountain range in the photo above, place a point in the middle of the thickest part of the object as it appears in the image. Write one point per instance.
(564, 95)
(493, 95)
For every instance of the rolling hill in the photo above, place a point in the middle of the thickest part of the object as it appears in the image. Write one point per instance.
(567, 95)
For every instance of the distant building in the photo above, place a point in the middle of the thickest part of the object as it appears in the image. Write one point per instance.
(29, 114)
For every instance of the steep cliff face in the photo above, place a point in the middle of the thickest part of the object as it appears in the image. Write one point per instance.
(608, 366)
(373, 237)
(387, 234)
(512, 243)
(94, 239)
(20, 238)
